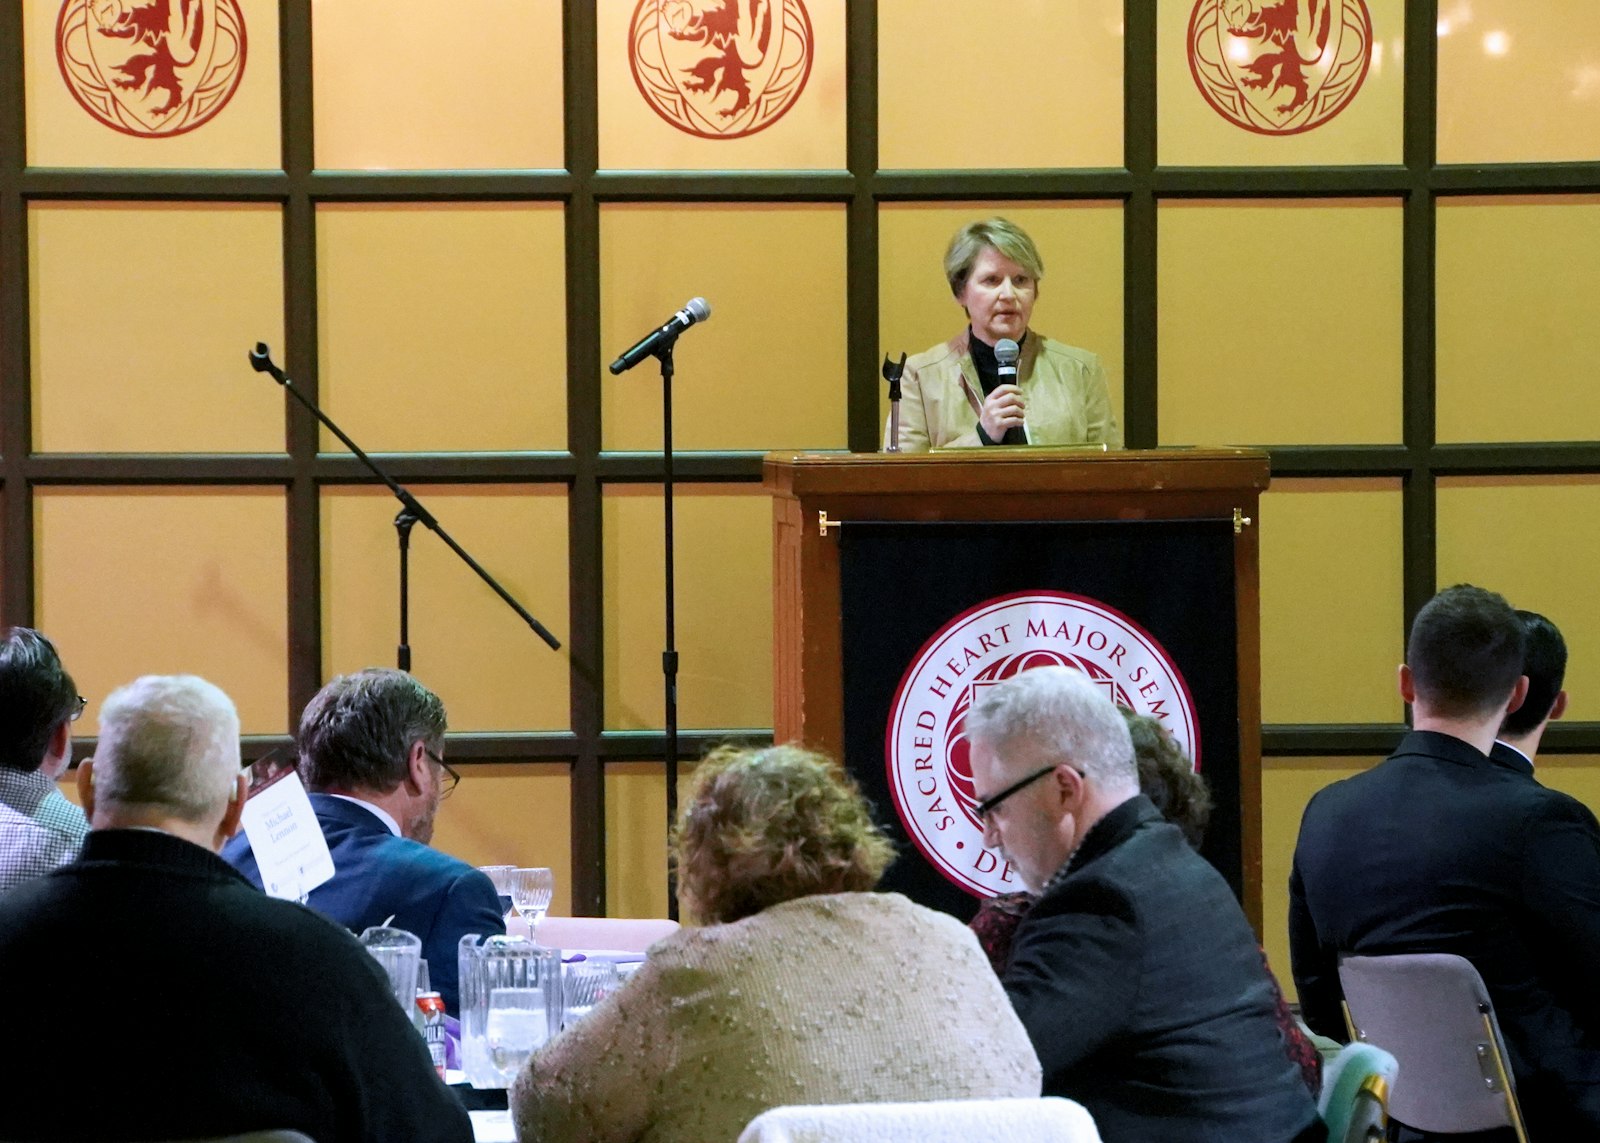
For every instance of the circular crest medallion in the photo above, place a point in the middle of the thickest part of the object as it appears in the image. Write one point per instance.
(926, 748)
(720, 69)
(151, 68)
(1279, 67)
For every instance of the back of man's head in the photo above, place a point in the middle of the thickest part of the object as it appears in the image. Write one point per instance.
(168, 747)
(1545, 664)
(356, 732)
(36, 696)
(1059, 711)
(1465, 652)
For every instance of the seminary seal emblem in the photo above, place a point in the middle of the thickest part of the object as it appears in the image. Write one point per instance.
(1279, 67)
(151, 68)
(720, 69)
(926, 748)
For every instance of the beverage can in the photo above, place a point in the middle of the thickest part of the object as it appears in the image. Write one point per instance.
(430, 1011)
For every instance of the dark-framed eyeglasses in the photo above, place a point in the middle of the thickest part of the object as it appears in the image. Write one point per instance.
(77, 708)
(449, 772)
(986, 807)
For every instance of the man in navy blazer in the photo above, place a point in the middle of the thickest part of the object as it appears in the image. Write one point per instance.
(1135, 973)
(371, 753)
(1451, 846)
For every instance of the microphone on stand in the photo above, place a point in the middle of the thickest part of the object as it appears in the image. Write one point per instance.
(1006, 353)
(694, 310)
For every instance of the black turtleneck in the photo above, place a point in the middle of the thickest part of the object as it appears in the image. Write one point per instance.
(983, 360)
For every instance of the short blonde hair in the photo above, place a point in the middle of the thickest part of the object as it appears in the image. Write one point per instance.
(1006, 237)
(760, 827)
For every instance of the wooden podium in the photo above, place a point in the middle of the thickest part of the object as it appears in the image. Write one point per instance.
(903, 584)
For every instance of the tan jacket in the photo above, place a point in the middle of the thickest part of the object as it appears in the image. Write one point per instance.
(843, 998)
(1063, 388)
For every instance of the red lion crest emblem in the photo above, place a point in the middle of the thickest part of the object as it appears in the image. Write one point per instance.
(1279, 67)
(721, 69)
(152, 68)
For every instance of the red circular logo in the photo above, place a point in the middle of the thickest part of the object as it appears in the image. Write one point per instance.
(720, 69)
(926, 748)
(151, 68)
(1279, 67)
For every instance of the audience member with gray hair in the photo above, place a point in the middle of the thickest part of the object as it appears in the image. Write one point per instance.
(1135, 973)
(39, 828)
(224, 1011)
(372, 754)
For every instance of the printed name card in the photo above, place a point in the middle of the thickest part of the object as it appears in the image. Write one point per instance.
(289, 847)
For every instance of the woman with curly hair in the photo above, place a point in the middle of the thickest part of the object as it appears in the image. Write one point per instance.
(802, 986)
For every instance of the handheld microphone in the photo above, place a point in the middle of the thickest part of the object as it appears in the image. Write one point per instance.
(694, 310)
(1006, 353)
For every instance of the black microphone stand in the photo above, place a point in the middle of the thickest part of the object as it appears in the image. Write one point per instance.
(411, 513)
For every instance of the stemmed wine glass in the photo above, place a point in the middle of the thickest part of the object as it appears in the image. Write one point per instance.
(531, 890)
(501, 875)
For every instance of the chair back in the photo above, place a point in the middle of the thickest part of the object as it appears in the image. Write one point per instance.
(1432, 1012)
(616, 934)
(1355, 1093)
(1049, 1120)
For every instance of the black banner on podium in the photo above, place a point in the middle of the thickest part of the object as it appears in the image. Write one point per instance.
(933, 613)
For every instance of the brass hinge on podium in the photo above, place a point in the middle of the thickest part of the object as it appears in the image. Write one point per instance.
(823, 524)
(1240, 521)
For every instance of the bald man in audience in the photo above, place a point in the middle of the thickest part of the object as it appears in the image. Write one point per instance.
(155, 994)
(1450, 846)
(1135, 973)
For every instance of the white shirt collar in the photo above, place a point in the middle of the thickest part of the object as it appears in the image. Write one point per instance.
(1514, 750)
(380, 814)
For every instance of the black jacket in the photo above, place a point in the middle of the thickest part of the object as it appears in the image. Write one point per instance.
(1441, 849)
(1143, 990)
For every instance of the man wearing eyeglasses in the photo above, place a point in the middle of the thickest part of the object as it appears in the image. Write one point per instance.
(1135, 973)
(39, 828)
(371, 754)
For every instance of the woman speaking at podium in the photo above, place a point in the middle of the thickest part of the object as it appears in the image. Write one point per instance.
(966, 394)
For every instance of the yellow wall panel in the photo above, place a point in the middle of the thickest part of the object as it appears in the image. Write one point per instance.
(1080, 295)
(512, 814)
(1332, 612)
(767, 370)
(723, 535)
(636, 837)
(142, 317)
(1061, 82)
(1279, 323)
(1575, 774)
(140, 581)
(244, 133)
(479, 89)
(1519, 82)
(443, 327)
(1536, 540)
(634, 136)
(1286, 786)
(1517, 341)
(1192, 133)
(491, 670)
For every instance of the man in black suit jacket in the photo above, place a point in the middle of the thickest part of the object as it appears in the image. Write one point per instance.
(1136, 974)
(1445, 848)
(159, 996)
(371, 751)
(1544, 662)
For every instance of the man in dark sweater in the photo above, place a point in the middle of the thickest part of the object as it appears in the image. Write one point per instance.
(1136, 974)
(208, 1008)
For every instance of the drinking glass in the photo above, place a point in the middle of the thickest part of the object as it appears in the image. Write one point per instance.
(518, 1024)
(531, 890)
(399, 953)
(584, 985)
(501, 876)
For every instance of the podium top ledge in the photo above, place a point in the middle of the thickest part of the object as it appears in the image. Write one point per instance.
(1028, 468)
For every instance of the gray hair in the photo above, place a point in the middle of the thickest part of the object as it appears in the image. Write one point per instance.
(169, 741)
(1064, 714)
(1006, 237)
(357, 731)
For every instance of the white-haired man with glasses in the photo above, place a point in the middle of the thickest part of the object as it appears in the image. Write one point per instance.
(1135, 973)
(39, 828)
(209, 1009)
(372, 754)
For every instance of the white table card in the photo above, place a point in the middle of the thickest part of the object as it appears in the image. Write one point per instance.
(289, 847)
